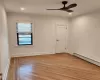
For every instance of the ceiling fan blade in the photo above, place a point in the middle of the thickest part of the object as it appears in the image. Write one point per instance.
(53, 9)
(68, 10)
(71, 6)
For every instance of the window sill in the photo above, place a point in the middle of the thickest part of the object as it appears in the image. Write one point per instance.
(24, 46)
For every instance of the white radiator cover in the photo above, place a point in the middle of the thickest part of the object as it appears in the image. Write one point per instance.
(87, 59)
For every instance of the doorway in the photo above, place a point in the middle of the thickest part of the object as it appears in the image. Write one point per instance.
(61, 38)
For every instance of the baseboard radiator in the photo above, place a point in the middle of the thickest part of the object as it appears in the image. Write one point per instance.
(87, 59)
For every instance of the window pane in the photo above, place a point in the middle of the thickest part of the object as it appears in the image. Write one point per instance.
(24, 27)
(25, 39)
(24, 33)
(24, 36)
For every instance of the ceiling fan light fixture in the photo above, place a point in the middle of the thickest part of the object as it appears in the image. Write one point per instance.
(22, 8)
(70, 13)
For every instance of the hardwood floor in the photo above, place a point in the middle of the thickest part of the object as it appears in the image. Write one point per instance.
(52, 67)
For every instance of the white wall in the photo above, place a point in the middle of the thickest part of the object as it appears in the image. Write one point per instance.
(4, 52)
(44, 38)
(85, 35)
(0, 36)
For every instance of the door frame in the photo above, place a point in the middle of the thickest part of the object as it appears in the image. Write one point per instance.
(66, 36)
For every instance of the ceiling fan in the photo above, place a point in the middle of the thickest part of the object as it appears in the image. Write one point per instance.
(68, 8)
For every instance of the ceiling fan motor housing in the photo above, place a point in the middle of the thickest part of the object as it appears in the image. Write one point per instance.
(64, 2)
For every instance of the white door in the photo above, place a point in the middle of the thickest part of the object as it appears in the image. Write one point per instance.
(61, 32)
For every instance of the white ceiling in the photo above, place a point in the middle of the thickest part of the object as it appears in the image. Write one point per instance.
(40, 6)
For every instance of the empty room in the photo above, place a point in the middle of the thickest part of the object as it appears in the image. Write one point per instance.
(49, 39)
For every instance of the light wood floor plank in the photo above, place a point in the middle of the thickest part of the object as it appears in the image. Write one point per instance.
(52, 67)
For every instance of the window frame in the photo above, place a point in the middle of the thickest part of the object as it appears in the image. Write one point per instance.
(23, 33)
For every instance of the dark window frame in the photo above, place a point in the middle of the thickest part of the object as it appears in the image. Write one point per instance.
(23, 33)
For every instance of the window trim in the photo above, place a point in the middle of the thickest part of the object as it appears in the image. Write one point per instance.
(24, 33)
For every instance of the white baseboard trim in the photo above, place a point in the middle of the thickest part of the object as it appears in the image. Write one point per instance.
(5, 74)
(30, 54)
(87, 59)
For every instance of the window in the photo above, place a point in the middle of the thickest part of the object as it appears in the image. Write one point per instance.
(24, 34)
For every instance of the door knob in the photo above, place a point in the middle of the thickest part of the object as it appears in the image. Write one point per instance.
(57, 40)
